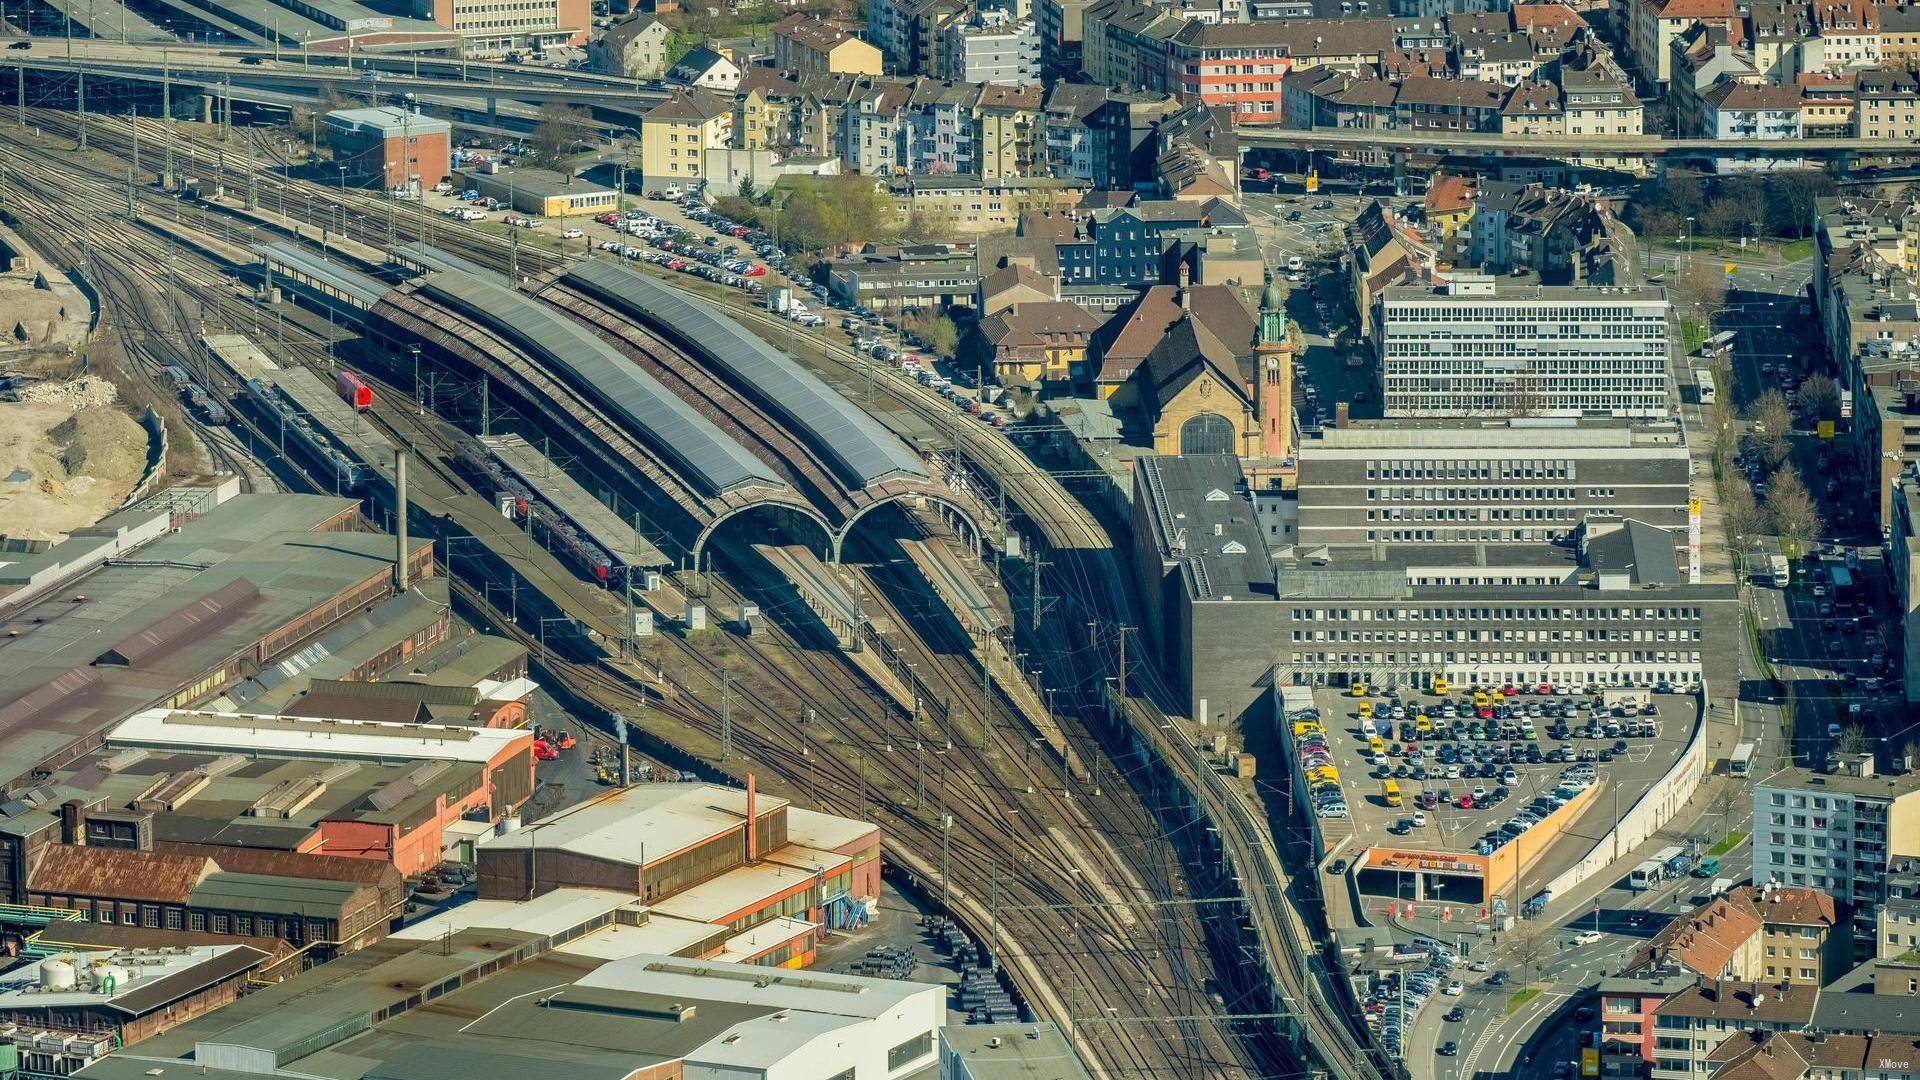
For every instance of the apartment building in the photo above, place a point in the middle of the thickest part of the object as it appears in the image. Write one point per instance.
(1887, 105)
(1239, 65)
(1628, 1003)
(1867, 252)
(989, 46)
(1499, 482)
(1846, 35)
(805, 45)
(1653, 24)
(1472, 347)
(1837, 832)
(1903, 566)
(1692, 1024)
(676, 134)
(1900, 35)
(635, 47)
(1897, 929)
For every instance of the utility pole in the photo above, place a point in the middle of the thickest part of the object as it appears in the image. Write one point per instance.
(486, 412)
(726, 715)
(986, 688)
(1039, 562)
(946, 837)
(513, 256)
(1123, 662)
(134, 126)
(83, 104)
(166, 123)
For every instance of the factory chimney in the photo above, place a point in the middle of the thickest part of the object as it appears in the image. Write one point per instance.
(400, 521)
(753, 837)
(73, 822)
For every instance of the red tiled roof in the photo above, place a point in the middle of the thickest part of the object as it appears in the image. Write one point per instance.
(1447, 193)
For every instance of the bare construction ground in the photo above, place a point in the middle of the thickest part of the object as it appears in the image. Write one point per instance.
(68, 457)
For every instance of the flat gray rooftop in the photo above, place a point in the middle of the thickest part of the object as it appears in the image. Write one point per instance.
(361, 289)
(184, 605)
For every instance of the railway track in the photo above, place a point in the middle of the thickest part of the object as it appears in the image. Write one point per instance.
(1059, 519)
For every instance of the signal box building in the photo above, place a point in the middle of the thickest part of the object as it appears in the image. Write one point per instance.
(389, 147)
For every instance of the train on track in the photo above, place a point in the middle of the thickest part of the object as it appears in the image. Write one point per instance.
(561, 535)
(298, 428)
(353, 391)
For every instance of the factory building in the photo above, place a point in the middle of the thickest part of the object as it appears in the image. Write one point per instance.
(1612, 606)
(228, 589)
(1474, 347)
(687, 851)
(391, 148)
(68, 1010)
(511, 1004)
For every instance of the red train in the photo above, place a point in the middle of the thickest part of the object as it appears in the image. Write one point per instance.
(352, 391)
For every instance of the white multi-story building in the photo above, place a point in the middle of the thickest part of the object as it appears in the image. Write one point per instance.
(990, 46)
(1836, 831)
(1474, 348)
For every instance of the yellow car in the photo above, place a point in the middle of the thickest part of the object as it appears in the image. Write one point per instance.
(1481, 700)
(1366, 710)
(1303, 728)
(1422, 724)
(1358, 689)
(1439, 688)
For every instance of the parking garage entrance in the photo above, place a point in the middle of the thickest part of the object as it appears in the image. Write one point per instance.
(1425, 876)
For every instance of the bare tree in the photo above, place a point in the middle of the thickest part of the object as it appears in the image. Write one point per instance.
(1701, 288)
(562, 128)
(1527, 944)
(1740, 511)
(1853, 739)
(1772, 421)
(1795, 516)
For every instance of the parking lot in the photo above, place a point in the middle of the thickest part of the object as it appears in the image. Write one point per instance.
(1471, 773)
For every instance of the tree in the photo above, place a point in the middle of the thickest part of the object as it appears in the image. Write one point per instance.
(937, 333)
(1853, 739)
(1723, 217)
(746, 189)
(560, 130)
(1772, 424)
(1701, 288)
(1821, 396)
(679, 44)
(1795, 516)
(1527, 944)
(1791, 197)
(1740, 512)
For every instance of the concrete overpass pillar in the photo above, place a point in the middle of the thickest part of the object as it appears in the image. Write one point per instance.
(206, 107)
(1399, 160)
(493, 111)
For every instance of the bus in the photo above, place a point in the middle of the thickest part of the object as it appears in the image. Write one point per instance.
(1703, 379)
(1646, 875)
(1721, 341)
(1741, 763)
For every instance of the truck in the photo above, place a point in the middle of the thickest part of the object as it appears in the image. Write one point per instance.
(779, 299)
(1780, 571)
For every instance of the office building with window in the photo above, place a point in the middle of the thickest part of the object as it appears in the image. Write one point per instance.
(1232, 612)
(1472, 347)
(1839, 832)
(1424, 481)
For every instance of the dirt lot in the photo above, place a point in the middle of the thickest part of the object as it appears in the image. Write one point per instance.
(68, 456)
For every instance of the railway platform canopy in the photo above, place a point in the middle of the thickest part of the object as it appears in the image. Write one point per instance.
(867, 465)
(427, 259)
(616, 537)
(700, 452)
(330, 280)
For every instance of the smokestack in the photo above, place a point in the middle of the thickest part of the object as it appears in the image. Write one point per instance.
(626, 758)
(400, 521)
(753, 838)
(73, 820)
